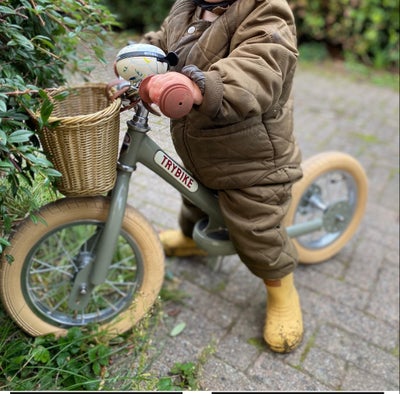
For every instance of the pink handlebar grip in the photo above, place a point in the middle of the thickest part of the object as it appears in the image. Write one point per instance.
(176, 98)
(176, 101)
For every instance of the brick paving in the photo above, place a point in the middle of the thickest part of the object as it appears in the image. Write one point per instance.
(350, 303)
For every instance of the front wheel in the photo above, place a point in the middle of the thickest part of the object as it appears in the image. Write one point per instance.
(334, 190)
(36, 286)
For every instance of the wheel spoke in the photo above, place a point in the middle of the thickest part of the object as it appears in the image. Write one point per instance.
(50, 268)
(54, 264)
(114, 285)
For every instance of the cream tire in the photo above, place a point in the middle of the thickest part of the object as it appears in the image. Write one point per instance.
(330, 173)
(28, 311)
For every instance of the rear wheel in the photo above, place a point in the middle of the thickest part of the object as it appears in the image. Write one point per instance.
(36, 286)
(334, 188)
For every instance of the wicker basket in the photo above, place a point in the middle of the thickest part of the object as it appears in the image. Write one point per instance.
(84, 144)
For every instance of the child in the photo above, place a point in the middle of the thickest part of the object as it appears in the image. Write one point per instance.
(240, 57)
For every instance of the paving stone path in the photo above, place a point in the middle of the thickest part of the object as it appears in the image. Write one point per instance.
(350, 303)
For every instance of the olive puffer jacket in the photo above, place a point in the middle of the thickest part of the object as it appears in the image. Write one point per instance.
(242, 133)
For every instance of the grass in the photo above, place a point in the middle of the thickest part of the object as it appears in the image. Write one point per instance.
(81, 360)
(47, 363)
(74, 362)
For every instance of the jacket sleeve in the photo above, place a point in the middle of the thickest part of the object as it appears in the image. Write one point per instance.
(256, 76)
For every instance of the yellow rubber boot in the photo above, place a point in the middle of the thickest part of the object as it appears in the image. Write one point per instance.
(283, 329)
(175, 243)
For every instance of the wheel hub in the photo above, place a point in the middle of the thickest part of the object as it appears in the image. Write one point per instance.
(337, 217)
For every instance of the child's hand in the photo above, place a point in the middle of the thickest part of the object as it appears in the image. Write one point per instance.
(174, 93)
(158, 83)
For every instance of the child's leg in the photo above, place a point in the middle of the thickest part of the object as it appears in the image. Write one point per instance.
(253, 216)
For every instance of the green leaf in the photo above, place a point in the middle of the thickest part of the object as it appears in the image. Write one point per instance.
(177, 329)
(62, 359)
(4, 242)
(3, 106)
(7, 10)
(20, 40)
(61, 95)
(96, 368)
(41, 354)
(41, 161)
(186, 369)
(104, 354)
(19, 136)
(4, 165)
(52, 172)
(46, 110)
(3, 137)
(44, 40)
(166, 384)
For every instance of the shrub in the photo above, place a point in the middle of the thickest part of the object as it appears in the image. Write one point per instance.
(367, 30)
(140, 15)
(39, 43)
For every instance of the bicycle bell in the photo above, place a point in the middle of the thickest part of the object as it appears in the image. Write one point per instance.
(137, 61)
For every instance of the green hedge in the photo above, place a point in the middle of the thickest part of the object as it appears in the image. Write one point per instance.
(139, 15)
(367, 30)
(39, 43)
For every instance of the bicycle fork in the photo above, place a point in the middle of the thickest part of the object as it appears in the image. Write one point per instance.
(93, 267)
